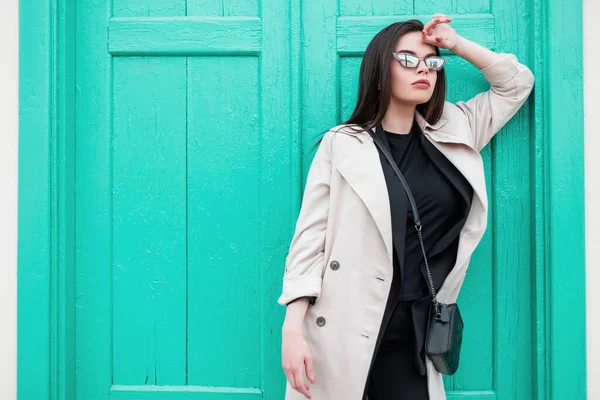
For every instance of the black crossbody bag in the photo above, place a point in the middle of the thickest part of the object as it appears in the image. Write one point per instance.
(445, 324)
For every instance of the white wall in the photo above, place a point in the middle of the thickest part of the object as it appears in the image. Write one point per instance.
(9, 20)
(591, 29)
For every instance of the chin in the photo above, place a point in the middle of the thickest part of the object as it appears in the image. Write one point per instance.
(418, 100)
(415, 96)
(415, 99)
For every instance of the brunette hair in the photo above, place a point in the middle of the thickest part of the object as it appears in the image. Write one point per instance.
(372, 103)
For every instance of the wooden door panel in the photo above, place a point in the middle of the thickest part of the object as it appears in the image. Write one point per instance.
(183, 193)
(148, 197)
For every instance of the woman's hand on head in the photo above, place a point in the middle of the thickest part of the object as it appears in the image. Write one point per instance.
(295, 357)
(438, 33)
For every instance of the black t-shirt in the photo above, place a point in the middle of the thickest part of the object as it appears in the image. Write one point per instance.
(439, 203)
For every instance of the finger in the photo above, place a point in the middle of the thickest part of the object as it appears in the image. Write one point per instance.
(308, 395)
(441, 41)
(292, 379)
(428, 40)
(427, 27)
(431, 25)
(301, 386)
(310, 372)
(436, 19)
(441, 20)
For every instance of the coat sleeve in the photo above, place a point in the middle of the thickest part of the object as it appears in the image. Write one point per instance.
(305, 260)
(511, 83)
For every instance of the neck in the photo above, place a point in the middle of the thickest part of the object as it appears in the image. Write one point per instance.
(399, 117)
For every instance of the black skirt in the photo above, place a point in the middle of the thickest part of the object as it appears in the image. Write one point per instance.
(398, 368)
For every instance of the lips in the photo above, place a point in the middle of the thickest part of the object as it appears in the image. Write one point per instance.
(421, 82)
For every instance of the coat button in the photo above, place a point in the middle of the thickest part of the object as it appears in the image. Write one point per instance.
(320, 321)
(334, 265)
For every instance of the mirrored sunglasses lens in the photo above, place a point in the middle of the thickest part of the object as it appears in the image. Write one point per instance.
(434, 63)
(408, 61)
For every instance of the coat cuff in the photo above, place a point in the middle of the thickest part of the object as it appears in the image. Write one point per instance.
(311, 300)
(501, 71)
(300, 286)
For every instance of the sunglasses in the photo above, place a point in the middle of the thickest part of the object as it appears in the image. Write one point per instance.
(407, 60)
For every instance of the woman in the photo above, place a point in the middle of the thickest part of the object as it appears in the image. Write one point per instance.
(354, 285)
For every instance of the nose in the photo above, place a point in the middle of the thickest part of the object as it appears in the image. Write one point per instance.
(422, 67)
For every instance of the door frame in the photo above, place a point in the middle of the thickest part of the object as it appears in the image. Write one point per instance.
(46, 253)
(45, 256)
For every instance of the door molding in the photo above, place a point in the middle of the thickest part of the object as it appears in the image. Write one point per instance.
(45, 283)
(46, 253)
(558, 161)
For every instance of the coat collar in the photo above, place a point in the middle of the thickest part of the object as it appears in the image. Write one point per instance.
(464, 157)
(363, 172)
(436, 131)
(470, 164)
(424, 125)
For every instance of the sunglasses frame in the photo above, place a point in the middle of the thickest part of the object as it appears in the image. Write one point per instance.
(444, 61)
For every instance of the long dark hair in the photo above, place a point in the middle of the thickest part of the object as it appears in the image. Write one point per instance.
(372, 104)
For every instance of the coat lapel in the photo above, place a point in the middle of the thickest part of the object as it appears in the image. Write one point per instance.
(466, 159)
(460, 184)
(362, 170)
(445, 167)
(470, 165)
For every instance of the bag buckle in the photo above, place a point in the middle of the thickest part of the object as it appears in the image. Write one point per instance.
(442, 314)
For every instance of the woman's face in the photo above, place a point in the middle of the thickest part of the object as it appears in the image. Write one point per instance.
(403, 87)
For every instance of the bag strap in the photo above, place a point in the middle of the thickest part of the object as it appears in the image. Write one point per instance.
(412, 202)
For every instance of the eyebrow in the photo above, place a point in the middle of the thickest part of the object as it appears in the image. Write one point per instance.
(412, 52)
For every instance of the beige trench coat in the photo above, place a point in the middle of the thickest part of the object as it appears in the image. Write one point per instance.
(345, 217)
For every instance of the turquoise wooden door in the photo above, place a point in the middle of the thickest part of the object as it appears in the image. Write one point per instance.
(194, 122)
(183, 197)
(496, 299)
